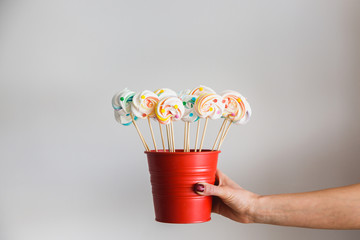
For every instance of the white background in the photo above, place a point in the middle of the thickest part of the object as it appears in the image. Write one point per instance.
(69, 171)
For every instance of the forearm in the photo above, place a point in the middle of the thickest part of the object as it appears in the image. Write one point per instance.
(336, 208)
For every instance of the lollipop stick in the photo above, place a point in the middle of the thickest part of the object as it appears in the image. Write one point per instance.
(223, 138)
(172, 135)
(162, 137)
(140, 135)
(197, 135)
(152, 134)
(185, 126)
(185, 136)
(203, 135)
(168, 137)
(220, 131)
(188, 137)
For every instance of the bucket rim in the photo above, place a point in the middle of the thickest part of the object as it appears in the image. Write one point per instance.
(181, 152)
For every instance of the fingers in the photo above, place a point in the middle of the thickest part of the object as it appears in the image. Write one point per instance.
(220, 189)
(206, 189)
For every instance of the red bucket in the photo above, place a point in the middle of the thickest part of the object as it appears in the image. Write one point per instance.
(173, 176)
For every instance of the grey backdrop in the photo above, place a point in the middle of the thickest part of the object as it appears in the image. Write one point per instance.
(69, 171)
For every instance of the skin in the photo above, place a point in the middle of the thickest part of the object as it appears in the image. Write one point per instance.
(334, 208)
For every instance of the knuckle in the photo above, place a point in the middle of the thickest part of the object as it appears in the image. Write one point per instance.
(211, 189)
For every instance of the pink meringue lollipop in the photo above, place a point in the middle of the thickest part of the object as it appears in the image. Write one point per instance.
(168, 110)
(237, 110)
(208, 106)
(164, 93)
(233, 111)
(234, 105)
(143, 106)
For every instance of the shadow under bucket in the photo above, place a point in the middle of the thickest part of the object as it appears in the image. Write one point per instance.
(173, 176)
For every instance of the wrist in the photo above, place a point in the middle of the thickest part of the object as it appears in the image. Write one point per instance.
(251, 212)
(257, 211)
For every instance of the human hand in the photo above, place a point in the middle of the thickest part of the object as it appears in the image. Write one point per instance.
(230, 200)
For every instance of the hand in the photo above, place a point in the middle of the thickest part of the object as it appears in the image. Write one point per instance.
(230, 199)
(333, 208)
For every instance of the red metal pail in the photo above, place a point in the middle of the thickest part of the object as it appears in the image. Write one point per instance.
(173, 176)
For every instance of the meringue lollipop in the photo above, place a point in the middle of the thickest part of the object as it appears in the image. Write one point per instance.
(208, 106)
(237, 110)
(121, 100)
(121, 103)
(163, 93)
(168, 110)
(233, 110)
(143, 106)
(189, 116)
(234, 105)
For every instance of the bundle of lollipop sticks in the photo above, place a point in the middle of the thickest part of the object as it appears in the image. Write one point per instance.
(167, 106)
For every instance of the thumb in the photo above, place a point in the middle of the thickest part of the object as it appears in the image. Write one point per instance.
(206, 189)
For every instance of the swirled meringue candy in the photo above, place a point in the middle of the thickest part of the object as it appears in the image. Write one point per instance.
(209, 105)
(169, 109)
(144, 103)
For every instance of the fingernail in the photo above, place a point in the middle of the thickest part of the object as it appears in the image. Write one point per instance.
(199, 187)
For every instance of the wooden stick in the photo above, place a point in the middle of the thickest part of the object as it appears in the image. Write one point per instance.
(188, 137)
(226, 129)
(173, 135)
(140, 135)
(223, 138)
(170, 138)
(162, 137)
(167, 136)
(185, 136)
(197, 135)
(152, 134)
(203, 135)
(168, 128)
(220, 131)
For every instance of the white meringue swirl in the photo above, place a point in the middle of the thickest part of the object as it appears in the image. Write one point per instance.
(169, 109)
(209, 105)
(144, 103)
